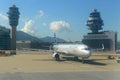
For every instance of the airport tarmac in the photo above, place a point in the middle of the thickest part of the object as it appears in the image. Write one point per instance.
(42, 61)
(39, 65)
(81, 75)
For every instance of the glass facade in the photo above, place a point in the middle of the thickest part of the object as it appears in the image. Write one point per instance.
(4, 38)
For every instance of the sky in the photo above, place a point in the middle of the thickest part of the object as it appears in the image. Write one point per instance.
(67, 18)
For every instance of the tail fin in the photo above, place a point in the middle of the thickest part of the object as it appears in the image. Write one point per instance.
(55, 39)
(103, 47)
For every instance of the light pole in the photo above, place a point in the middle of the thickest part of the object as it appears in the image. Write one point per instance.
(13, 15)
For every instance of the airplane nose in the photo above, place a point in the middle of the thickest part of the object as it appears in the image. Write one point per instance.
(86, 53)
(89, 52)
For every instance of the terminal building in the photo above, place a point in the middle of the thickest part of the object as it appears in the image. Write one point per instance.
(106, 38)
(26, 44)
(4, 38)
(98, 39)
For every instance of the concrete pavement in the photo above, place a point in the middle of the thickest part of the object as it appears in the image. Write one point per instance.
(39, 65)
(81, 75)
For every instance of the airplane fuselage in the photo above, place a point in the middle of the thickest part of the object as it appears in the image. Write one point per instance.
(77, 50)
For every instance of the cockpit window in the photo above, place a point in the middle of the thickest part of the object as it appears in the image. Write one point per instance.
(87, 48)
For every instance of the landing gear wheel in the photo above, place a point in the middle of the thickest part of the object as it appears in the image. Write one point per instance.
(83, 60)
(110, 57)
(57, 57)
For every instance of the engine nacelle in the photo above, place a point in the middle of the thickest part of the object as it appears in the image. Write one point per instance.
(56, 56)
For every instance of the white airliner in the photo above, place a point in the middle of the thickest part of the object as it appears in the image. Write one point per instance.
(76, 50)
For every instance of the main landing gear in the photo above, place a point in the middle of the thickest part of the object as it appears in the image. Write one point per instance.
(76, 58)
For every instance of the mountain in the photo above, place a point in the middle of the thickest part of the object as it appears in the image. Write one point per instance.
(51, 39)
(20, 35)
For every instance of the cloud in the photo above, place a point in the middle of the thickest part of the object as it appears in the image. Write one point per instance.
(3, 17)
(44, 24)
(41, 13)
(57, 26)
(28, 27)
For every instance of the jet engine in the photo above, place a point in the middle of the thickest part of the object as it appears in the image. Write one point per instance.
(56, 56)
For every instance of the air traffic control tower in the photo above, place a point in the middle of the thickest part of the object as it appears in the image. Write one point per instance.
(97, 39)
(13, 15)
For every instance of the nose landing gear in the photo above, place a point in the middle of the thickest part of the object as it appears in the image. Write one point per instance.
(57, 57)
